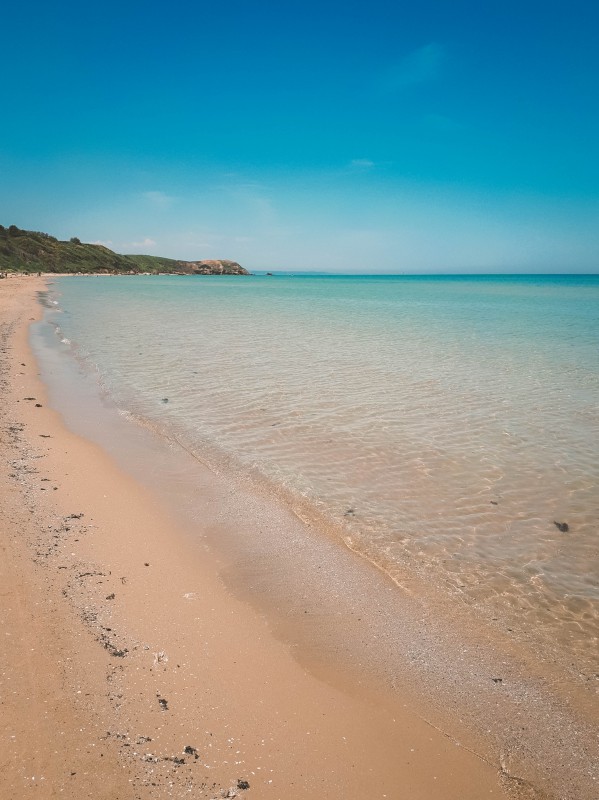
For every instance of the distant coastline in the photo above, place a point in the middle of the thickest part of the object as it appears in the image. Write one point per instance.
(25, 251)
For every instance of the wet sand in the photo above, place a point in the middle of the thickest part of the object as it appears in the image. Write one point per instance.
(136, 665)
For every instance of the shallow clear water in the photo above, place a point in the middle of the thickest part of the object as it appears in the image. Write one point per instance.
(441, 426)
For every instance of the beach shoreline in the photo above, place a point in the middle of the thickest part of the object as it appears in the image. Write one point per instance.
(179, 682)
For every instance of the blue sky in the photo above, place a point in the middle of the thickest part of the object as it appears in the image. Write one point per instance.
(391, 137)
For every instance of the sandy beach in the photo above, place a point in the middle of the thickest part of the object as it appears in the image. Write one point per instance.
(130, 668)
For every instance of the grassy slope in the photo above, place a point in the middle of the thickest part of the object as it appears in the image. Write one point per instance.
(154, 263)
(29, 251)
(32, 251)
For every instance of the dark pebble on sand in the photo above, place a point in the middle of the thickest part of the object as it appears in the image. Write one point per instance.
(243, 785)
(38, 405)
(562, 526)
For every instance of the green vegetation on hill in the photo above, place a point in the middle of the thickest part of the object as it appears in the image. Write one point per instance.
(33, 251)
(154, 263)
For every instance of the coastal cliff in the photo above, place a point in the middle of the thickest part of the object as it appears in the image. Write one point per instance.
(213, 267)
(35, 251)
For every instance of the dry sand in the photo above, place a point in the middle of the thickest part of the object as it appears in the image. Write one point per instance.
(129, 670)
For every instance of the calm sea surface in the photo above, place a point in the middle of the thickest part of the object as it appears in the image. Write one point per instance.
(438, 425)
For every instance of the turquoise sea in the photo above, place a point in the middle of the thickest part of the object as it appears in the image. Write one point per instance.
(444, 426)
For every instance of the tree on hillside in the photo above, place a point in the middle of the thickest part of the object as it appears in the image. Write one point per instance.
(75, 240)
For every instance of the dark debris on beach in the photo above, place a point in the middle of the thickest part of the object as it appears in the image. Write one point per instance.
(562, 526)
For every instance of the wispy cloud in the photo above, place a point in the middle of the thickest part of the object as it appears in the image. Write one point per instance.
(361, 164)
(159, 199)
(145, 243)
(419, 66)
(105, 243)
